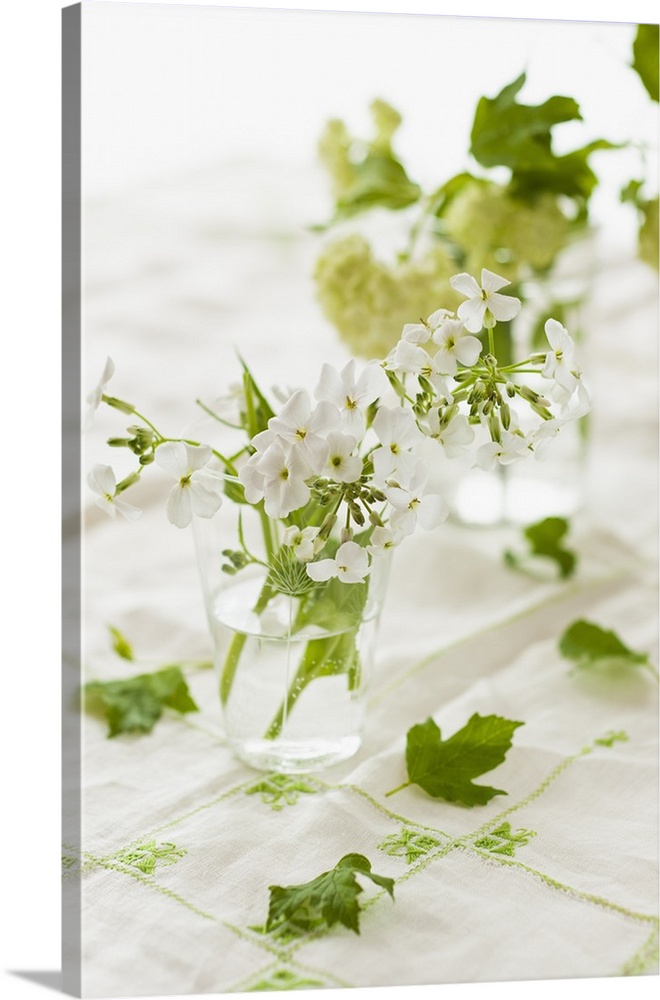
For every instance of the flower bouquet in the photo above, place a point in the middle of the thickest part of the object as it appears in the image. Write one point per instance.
(317, 494)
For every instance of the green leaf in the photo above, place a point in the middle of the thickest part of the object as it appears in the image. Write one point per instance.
(505, 133)
(259, 410)
(519, 136)
(645, 57)
(589, 645)
(442, 198)
(445, 768)
(136, 703)
(545, 539)
(380, 181)
(120, 644)
(330, 898)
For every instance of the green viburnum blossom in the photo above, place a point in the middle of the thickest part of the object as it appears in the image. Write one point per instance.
(369, 301)
(504, 234)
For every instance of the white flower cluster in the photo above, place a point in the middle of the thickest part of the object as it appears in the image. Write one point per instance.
(458, 392)
(352, 451)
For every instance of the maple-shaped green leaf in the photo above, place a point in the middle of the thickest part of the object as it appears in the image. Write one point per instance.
(645, 57)
(445, 769)
(546, 539)
(120, 644)
(519, 136)
(589, 645)
(330, 898)
(506, 133)
(135, 704)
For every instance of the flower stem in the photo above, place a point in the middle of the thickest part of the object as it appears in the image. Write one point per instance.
(236, 646)
(322, 657)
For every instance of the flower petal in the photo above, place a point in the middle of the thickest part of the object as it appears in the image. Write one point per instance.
(101, 479)
(503, 307)
(127, 510)
(471, 312)
(466, 285)
(179, 506)
(491, 282)
(172, 458)
(467, 349)
(330, 386)
(322, 570)
(432, 511)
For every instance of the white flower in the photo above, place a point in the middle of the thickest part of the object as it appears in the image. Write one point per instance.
(197, 490)
(414, 360)
(421, 333)
(352, 393)
(350, 565)
(341, 465)
(508, 450)
(303, 542)
(454, 436)
(96, 395)
(412, 504)
(101, 480)
(409, 357)
(383, 539)
(455, 345)
(543, 436)
(397, 432)
(305, 429)
(559, 361)
(484, 304)
(284, 487)
(549, 429)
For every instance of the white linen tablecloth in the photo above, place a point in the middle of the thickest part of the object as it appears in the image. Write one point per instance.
(557, 879)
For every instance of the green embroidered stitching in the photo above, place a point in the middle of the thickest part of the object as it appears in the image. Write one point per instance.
(429, 658)
(146, 880)
(586, 897)
(408, 843)
(379, 807)
(284, 979)
(646, 958)
(147, 855)
(284, 952)
(280, 790)
(504, 841)
(610, 738)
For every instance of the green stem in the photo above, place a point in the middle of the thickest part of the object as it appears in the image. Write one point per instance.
(236, 646)
(318, 653)
(215, 416)
(398, 789)
(491, 341)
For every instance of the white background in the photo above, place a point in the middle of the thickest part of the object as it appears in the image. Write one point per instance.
(31, 484)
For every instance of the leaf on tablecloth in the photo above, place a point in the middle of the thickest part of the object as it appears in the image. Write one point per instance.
(330, 898)
(445, 769)
(135, 704)
(120, 643)
(545, 539)
(588, 645)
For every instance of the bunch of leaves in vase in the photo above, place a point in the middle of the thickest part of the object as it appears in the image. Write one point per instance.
(335, 479)
(516, 228)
